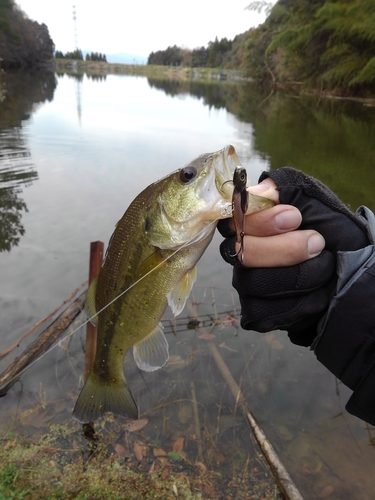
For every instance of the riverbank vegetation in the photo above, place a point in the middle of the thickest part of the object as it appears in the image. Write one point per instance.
(23, 43)
(78, 55)
(219, 53)
(322, 44)
(327, 44)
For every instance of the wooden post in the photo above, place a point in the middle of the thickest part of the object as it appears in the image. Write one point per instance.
(96, 259)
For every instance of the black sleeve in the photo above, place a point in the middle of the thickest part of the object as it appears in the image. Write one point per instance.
(346, 344)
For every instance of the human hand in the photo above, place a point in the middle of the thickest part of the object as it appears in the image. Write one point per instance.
(284, 282)
(270, 239)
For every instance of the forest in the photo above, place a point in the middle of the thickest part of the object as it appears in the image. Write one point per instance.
(321, 44)
(23, 43)
(219, 53)
(77, 55)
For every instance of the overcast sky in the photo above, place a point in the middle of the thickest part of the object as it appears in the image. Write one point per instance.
(139, 27)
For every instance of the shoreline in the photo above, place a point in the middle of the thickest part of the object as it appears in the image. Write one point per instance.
(155, 71)
(192, 74)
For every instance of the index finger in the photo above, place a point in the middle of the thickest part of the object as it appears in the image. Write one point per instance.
(272, 221)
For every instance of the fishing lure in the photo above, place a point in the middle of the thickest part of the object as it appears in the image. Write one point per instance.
(240, 202)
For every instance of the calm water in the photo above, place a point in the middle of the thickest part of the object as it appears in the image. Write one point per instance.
(75, 152)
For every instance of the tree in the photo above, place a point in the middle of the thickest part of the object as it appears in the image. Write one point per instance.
(22, 42)
(75, 55)
(260, 5)
(328, 43)
(171, 56)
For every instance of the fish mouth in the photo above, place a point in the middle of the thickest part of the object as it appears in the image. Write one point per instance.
(225, 165)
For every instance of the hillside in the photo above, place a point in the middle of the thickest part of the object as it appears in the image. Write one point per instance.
(23, 43)
(326, 44)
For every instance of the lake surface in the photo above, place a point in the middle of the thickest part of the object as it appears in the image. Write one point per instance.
(74, 153)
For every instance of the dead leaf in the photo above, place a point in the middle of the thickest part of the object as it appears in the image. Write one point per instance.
(135, 425)
(120, 450)
(140, 450)
(273, 341)
(165, 473)
(207, 336)
(216, 456)
(60, 405)
(37, 417)
(185, 414)
(175, 489)
(175, 362)
(158, 452)
(228, 421)
(178, 445)
(201, 466)
(284, 433)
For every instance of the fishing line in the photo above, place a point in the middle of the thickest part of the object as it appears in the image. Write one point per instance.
(226, 212)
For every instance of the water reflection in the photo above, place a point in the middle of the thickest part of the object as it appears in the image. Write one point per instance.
(328, 139)
(23, 92)
(213, 94)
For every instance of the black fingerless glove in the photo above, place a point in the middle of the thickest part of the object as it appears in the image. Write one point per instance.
(295, 298)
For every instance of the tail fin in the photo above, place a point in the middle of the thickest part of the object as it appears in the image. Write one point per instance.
(97, 397)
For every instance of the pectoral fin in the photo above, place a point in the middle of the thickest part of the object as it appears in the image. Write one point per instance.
(151, 353)
(90, 305)
(178, 296)
(148, 265)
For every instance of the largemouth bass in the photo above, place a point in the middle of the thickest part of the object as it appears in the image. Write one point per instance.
(179, 212)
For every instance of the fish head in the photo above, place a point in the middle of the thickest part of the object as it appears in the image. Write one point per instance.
(192, 198)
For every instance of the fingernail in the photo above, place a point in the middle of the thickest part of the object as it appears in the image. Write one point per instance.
(315, 245)
(287, 220)
(260, 188)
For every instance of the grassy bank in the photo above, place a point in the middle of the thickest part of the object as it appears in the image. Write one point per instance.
(153, 71)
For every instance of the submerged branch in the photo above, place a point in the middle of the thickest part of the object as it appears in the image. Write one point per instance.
(281, 475)
(41, 344)
(5, 353)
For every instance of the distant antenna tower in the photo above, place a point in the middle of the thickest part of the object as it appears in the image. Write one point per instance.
(75, 28)
(78, 81)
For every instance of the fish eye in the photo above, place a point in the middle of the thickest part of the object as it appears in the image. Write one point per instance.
(243, 177)
(187, 174)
